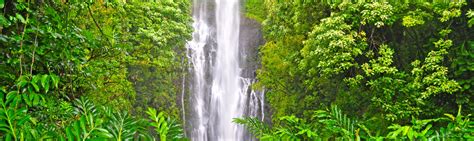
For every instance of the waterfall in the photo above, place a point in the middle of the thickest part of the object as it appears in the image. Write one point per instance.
(220, 87)
(197, 59)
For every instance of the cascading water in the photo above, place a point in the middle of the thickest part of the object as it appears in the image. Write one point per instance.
(219, 88)
(225, 88)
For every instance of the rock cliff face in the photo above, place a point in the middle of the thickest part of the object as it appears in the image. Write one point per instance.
(251, 39)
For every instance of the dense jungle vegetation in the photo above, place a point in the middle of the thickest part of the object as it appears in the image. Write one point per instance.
(366, 70)
(91, 70)
(110, 69)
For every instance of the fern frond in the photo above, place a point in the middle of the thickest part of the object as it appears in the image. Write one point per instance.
(253, 125)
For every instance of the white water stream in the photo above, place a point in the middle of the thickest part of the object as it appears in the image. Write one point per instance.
(218, 91)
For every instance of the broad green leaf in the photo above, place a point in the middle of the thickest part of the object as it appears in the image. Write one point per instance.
(55, 80)
(3, 21)
(37, 89)
(423, 133)
(11, 96)
(45, 82)
(450, 116)
(104, 133)
(8, 137)
(83, 123)
(20, 17)
(410, 134)
(406, 129)
(22, 83)
(77, 129)
(26, 98)
(2, 3)
(36, 99)
(69, 134)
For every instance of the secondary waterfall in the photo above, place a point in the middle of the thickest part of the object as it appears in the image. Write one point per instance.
(219, 85)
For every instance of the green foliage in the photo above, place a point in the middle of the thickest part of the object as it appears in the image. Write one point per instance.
(378, 14)
(285, 27)
(324, 124)
(383, 62)
(13, 120)
(294, 129)
(167, 128)
(459, 126)
(155, 35)
(256, 9)
(336, 123)
(464, 68)
(334, 41)
(98, 49)
(254, 125)
(470, 14)
(415, 17)
(333, 124)
(71, 70)
(123, 126)
(449, 11)
(419, 130)
(90, 123)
